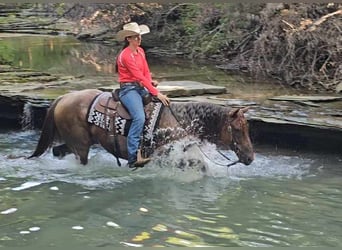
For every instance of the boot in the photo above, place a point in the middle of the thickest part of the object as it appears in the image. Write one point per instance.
(140, 162)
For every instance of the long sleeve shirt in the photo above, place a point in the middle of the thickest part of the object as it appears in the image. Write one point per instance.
(133, 67)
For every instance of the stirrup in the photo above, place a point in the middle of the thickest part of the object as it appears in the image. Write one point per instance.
(140, 162)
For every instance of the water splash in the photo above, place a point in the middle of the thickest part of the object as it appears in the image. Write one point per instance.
(27, 117)
(179, 160)
(190, 159)
(185, 160)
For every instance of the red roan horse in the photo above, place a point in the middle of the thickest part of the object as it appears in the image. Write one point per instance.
(82, 118)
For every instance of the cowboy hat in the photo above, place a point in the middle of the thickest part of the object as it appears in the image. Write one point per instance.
(132, 29)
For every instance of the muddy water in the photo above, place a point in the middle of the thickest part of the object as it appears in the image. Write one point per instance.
(283, 198)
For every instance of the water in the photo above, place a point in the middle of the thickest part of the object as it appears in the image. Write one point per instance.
(284, 198)
(68, 56)
(58, 55)
(281, 199)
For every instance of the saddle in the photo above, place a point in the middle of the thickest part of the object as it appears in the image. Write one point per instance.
(109, 113)
(110, 103)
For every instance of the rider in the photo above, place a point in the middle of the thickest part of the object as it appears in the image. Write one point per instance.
(135, 82)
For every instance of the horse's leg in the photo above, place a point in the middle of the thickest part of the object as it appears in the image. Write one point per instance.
(79, 142)
(79, 147)
(61, 151)
(83, 152)
(71, 122)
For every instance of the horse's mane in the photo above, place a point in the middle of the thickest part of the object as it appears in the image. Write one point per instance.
(203, 119)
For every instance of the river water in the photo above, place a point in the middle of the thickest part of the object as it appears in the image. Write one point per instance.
(284, 198)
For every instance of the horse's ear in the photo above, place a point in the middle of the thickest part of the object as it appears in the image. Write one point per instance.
(233, 112)
(245, 109)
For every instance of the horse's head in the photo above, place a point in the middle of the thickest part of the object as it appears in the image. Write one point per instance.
(235, 133)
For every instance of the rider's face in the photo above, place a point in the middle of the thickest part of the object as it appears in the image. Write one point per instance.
(135, 39)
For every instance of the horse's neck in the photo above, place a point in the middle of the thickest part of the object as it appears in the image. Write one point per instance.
(204, 119)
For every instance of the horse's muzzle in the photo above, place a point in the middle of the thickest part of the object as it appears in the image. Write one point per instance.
(247, 160)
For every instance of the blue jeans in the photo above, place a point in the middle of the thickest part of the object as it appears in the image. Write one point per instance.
(131, 97)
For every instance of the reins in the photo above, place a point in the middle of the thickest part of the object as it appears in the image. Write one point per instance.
(226, 157)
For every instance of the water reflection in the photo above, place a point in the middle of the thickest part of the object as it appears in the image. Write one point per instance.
(61, 54)
(68, 56)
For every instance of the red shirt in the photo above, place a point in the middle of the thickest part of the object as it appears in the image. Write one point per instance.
(133, 67)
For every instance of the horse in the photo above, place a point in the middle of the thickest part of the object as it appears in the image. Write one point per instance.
(74, 120)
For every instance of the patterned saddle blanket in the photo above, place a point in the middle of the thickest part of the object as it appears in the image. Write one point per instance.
(111, 115)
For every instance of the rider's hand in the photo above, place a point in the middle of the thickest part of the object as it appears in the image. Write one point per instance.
(164, 99)
(155, 83)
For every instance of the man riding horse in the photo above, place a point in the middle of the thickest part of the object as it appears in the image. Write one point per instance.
(135, 82)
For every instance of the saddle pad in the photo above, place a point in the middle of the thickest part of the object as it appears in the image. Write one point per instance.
(110, 120)
(153, 115)
(96, 113)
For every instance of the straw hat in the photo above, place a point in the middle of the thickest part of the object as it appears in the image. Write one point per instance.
(132, 29)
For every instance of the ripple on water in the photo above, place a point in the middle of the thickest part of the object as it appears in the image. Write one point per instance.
(9, 211)
(26, 185)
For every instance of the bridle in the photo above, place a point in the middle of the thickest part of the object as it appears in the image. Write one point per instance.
(234, 146)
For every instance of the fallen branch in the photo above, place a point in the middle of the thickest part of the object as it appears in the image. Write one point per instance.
(323, 19)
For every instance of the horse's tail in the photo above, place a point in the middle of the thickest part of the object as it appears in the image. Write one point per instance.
(48, 131)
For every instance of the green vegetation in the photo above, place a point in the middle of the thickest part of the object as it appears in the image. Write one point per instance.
(206, 29)
(295, 43)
